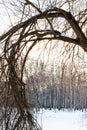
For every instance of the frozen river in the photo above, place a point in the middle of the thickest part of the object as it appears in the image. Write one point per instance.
(63, 120)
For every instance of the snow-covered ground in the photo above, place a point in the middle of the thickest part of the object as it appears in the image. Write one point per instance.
(62, 120)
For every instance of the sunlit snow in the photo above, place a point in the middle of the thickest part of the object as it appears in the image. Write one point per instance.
(62, 120)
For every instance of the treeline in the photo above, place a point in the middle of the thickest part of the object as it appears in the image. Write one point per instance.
(53, 86)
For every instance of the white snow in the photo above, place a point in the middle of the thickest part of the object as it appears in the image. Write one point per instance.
(62, 120)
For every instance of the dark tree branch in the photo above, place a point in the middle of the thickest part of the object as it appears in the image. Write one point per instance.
(52, 13)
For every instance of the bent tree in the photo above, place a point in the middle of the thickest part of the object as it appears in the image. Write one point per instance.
(36, 25)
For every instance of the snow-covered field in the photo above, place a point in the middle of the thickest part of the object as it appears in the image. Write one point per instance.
(62, 120)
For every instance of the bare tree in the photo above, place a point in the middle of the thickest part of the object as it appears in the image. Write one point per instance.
(35, 23)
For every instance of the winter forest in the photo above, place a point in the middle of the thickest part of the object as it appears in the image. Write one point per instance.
(56, 87)
(43, 59)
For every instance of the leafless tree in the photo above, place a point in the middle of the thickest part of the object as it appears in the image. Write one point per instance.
(38, 22)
